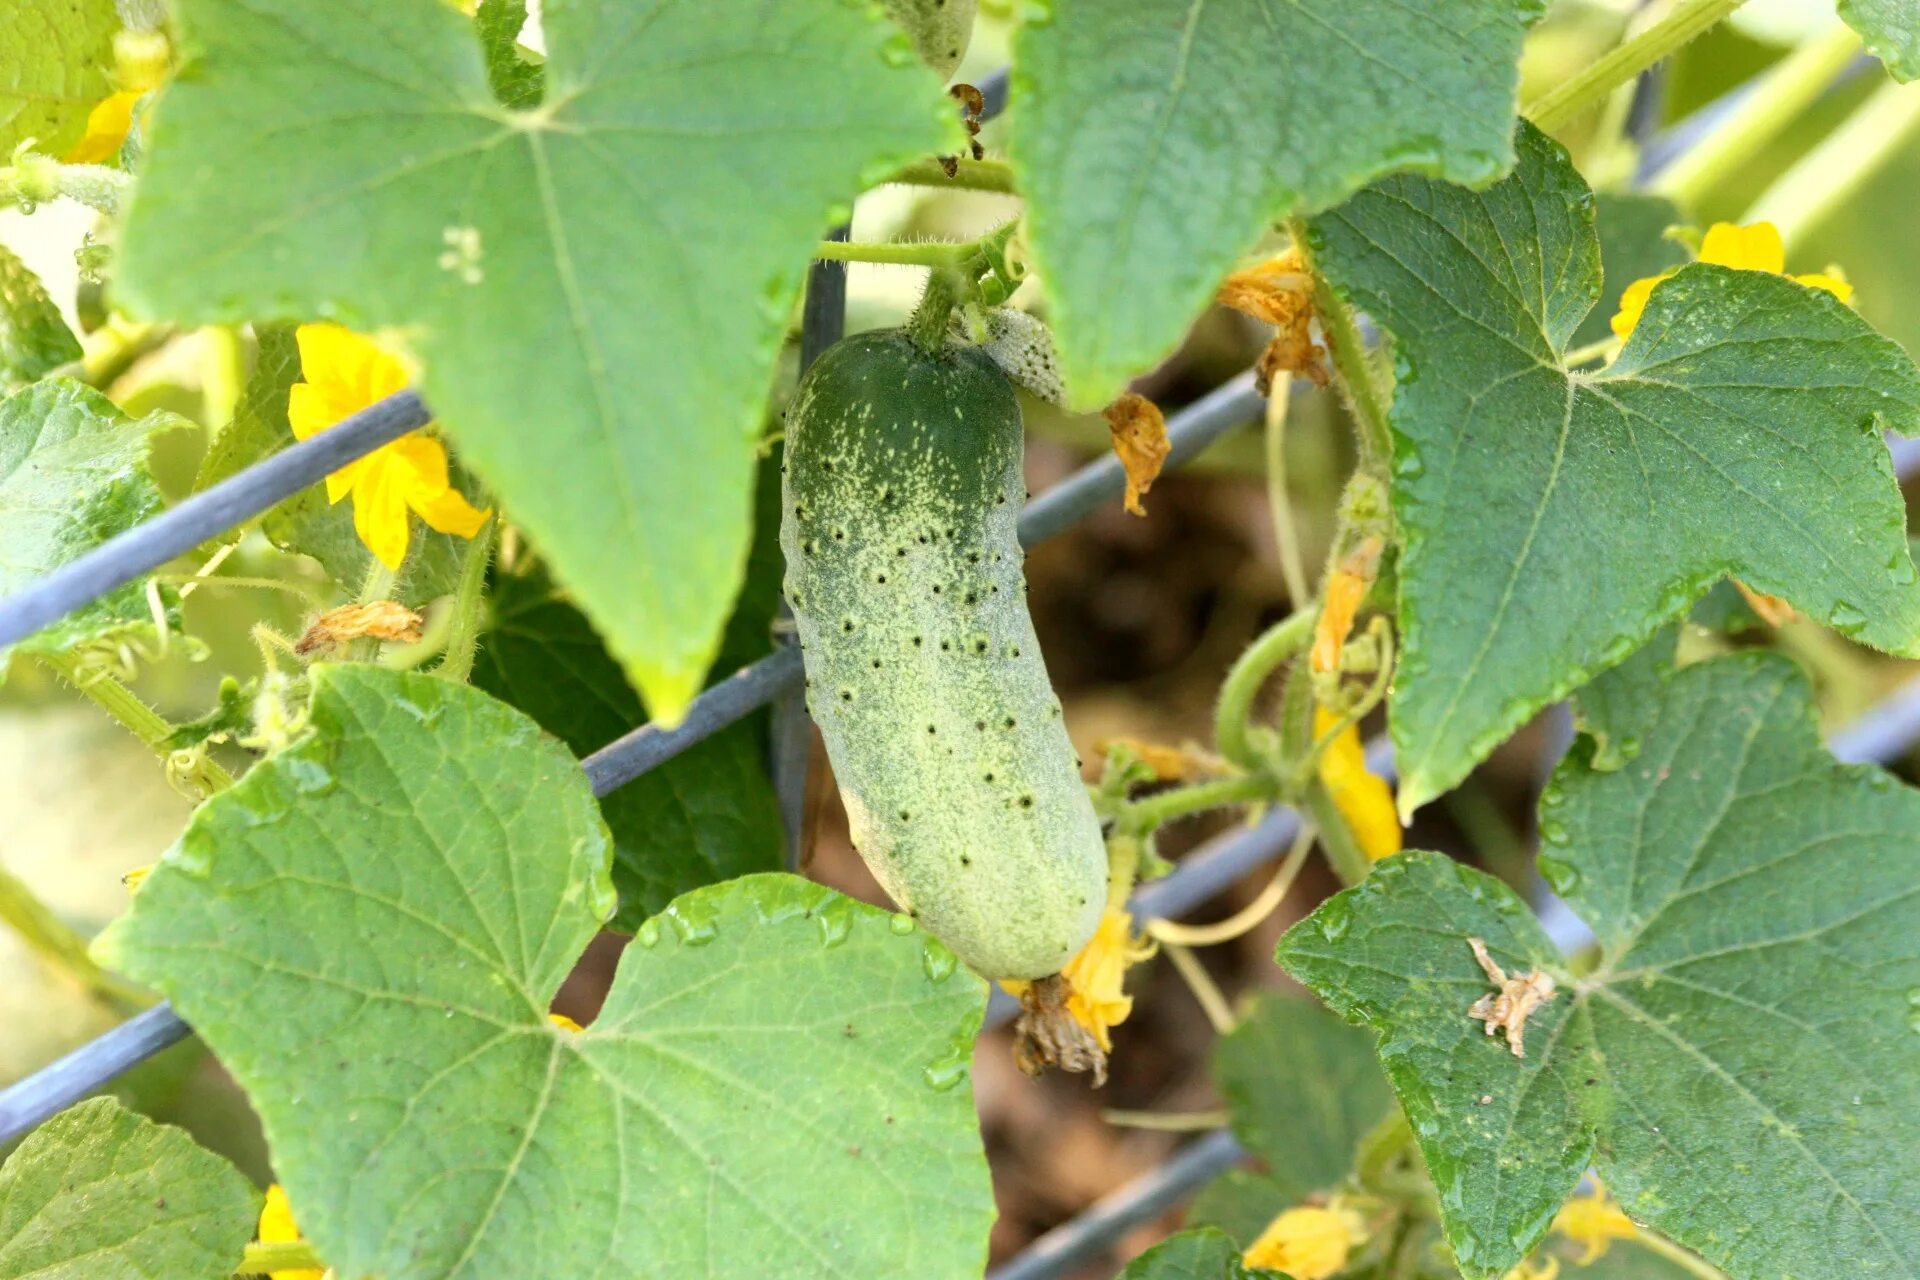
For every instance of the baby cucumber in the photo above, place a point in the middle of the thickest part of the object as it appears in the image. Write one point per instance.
(902, 488)
(939, 29)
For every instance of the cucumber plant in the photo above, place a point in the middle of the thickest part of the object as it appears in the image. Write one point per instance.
(1618, 446)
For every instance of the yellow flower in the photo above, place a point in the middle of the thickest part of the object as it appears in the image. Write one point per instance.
(107, 127)
(277, 1227)
(345, 373)
(1363, 797)
(1306, 1242)
(563, 1022)
(1754, 248)
(1543, 1268)
(1594, 1221)
(1097, 976)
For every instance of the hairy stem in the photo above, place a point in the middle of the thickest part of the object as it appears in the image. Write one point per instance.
(1232, 715)
(929, 253)
(125, 706)
(1152, 811)
(1688, 19)
(968, 175)
(1286, 535)
(36, 179)
(469, 605)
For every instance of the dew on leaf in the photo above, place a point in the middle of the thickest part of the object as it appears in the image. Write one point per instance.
(937, 961)
(900, 923)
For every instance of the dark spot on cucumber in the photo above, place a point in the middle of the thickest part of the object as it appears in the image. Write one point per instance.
(880, 578)
(1010, 722)
(886, 495)
(799, 511)
(839, 535)
(846, 695)
(918, 641)
(979, 646)
(946, 646)
(973, 557)
(972, 597)
(876, 664)
(808, 547)
(1026, 802)
(965, 861)
(989, 777)
(847, 626)
(936, 588)
(1013, 651)
(905, 816)
(981, 725)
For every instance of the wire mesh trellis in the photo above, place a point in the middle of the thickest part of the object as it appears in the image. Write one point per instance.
(1886, 731)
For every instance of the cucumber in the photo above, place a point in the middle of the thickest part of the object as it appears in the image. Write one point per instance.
(939, 29)
(901, 492)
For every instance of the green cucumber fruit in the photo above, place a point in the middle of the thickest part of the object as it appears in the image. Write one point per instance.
(901, 494)
(939, 29)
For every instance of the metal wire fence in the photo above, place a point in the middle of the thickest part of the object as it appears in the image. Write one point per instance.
(1887, 731)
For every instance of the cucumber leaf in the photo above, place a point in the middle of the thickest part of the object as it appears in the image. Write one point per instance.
(55, 56)
(1156, 140)
(1891, 31)
(1302, 1088)
(368, 930)
(1201, 1254)
(1739, 1065)
(707, 815)
(1553, 520)
(598, 285)
(516, 81)
(99, 1191)
(73, 473)
(34, 338)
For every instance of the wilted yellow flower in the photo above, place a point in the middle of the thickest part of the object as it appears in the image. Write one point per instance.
(1593, 1220)
(1363, 797)
(345, 372)
(1754, 248)
(1097, 976)
(278, 1227)
(1306, 1242)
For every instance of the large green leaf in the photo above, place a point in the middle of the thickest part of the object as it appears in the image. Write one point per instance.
(307, 523)
(1552, 520)
(1202, 1254)
(706, 815)
(1633, 244)
(368, 929)
(1302, 1089)
(34, 338)
(73, 473)
(100, 1193)
(598, 285)
(1891, 30)
(1741, 1063)
(1155, 141)
(54, 60)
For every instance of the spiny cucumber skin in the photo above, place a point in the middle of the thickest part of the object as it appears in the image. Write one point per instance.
(940, 29)
(901, 495)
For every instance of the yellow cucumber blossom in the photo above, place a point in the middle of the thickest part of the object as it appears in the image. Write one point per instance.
(1595, 1221)
(1097, 975)
(1754, 248)
(278, 1227)
(345, 372)
(108, 125)
(1363, 797)
(1307, 1242)
(563, 1022)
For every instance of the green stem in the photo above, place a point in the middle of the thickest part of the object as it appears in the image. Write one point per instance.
(469, 606)
(927, 326)
(55, 941)
(1152, 811)
(139, 719)
(1349, 862)
(264, 1259)
(1591, 351)
(36, 179)
(1381, 1149)
(1688, 19)
(929, 253)
(969, 175)
(1232, 715)
(1782, 94)
(1367, 400)
(1829, 175)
